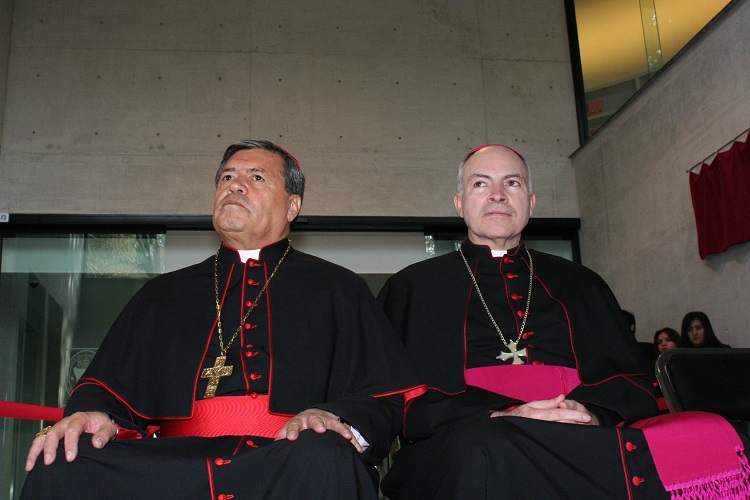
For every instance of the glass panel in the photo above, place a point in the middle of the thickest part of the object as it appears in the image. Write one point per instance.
(624, 42)
(59, 294)
(654, 59)
(439, 245)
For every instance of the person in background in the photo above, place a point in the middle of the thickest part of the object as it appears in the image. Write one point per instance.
(666, 339)
(698, 332)
(649, 352)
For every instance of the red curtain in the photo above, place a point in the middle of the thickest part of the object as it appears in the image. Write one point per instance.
(721, 200)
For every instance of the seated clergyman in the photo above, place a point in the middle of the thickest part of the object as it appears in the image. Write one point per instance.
(536, 388)
(269, 372)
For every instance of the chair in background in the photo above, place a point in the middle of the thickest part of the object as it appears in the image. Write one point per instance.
(706, 379)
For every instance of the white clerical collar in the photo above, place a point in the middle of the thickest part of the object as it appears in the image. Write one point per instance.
(499, 253)
(249, 254)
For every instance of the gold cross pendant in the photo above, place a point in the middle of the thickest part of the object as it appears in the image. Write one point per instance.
(213, 374)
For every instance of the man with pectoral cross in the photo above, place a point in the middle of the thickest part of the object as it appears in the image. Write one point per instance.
(530, 368)
(269, 373)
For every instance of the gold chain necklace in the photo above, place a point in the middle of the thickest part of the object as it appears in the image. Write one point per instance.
(219, 370)
(512, 346)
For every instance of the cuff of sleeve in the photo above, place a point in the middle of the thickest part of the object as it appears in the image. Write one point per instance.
(360, 439)
(606, 417)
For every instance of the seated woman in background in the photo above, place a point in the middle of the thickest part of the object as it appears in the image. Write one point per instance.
(698, 332)
(666, 339)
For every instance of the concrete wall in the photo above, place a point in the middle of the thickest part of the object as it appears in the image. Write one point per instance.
(638, 226)
(126, 107)
(6, 23)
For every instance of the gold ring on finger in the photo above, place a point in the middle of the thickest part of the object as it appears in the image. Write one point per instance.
(43, 431)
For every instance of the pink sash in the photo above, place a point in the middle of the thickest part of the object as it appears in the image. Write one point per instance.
(697, 455)
(524, 382)
(227, 416)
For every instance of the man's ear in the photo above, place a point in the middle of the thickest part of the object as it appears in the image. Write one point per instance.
(458, 202)
(532, 204)
(295, 205)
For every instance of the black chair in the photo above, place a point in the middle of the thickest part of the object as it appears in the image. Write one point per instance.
(707, 379)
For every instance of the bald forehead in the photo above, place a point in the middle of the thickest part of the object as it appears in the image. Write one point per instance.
(493, 159)
(495, 153)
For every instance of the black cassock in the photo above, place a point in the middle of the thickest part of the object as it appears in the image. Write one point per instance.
(316, 338)
(574, 321)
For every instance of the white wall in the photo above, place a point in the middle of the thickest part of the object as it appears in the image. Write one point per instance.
(638, 227)
(126, 107)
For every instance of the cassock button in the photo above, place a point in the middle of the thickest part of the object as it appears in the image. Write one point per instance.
(251, 443)
(252, 263)
(515, 296)
(252, 282)
(637, 481)
(249, 303)
(508, 260)
(255, 376)
(511, 276)
(253, 395)
(221, 461)
(520, 314)
(224, 496)
(250, 354)
(630, 446)
(526, 335)
(249, 326)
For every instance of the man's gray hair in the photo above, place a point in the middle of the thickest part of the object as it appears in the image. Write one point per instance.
(294, 179)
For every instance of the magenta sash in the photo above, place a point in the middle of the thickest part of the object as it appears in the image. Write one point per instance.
(524, 382)
(697, 455)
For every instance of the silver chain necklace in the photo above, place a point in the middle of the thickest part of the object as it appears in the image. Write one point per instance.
(512, 346)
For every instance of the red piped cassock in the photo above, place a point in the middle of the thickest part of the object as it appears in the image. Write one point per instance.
(576, 343)
(316, 338)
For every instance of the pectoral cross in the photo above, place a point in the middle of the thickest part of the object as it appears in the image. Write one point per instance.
(213, 374)
(515, 354)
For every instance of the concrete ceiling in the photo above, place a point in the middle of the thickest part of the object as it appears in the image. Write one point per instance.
(611, 34)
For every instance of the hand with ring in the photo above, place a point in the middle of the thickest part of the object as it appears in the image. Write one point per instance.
(44, 431)
(69, 429)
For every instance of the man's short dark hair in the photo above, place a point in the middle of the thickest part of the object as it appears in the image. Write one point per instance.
(294, 179)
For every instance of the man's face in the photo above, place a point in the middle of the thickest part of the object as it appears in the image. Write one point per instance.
(251, 207)
(496, 203)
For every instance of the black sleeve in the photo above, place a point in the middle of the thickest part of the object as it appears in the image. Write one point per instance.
(434, 410)
(378, 420)
(93, 397)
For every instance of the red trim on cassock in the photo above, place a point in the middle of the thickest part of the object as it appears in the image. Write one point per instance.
(210, 478)
(270, 336)
(624, 464)
(248, 389)
(212, 332)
